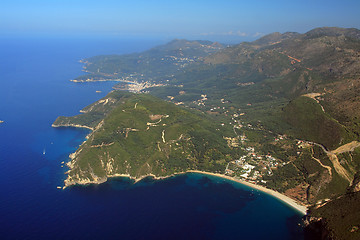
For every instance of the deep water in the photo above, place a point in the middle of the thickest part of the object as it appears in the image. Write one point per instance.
(35, 89)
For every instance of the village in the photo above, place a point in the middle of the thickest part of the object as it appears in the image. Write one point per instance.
(254, 164)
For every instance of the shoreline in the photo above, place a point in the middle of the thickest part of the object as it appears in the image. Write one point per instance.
(98, 80)
(71, 125)
(283, 198)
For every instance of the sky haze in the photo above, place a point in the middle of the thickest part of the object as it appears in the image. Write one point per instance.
(200, 19)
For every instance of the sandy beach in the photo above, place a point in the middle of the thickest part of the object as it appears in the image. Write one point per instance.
(301, 208)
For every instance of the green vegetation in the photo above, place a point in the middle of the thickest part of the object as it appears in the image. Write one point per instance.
(285, 178)
(340, 218)
(309, 122)
(95, 112)
(144, 135)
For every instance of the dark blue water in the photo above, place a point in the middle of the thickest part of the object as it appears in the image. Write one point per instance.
(34, 90)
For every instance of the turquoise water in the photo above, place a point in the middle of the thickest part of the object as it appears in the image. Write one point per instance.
(34, 90)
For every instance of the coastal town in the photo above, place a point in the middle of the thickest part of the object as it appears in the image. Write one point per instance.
(136, 87)
(252, 165)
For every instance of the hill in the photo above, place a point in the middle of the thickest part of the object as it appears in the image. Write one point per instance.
(337, 219)
(141, 135)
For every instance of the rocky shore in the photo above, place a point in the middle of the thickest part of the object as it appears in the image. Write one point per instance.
(71, 125)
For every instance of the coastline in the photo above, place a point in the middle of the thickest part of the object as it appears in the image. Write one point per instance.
(98, 80)
(283, 198)
(71, 125)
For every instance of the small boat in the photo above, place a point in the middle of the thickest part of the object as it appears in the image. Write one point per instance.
(44, 152)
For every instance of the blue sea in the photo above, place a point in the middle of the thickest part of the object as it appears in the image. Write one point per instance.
(35, 89)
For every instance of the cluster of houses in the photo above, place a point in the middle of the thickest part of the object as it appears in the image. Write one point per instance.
(201, 102)
(252, 166)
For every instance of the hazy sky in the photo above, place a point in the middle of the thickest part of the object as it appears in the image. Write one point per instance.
(206, 19)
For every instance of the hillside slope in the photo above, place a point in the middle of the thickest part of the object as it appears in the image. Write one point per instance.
(143, 136)
(279, 68)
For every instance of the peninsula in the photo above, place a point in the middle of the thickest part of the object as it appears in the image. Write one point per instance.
(142, 136)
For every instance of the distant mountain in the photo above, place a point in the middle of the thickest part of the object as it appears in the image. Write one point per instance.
(323, 60)
(273, 38)
(334, 32)
(162, 61)
(329, 51)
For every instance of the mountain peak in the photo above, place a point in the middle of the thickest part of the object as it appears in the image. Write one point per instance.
(275, 37)
(333, 32)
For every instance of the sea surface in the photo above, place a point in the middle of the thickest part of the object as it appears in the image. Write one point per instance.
(34, 90)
